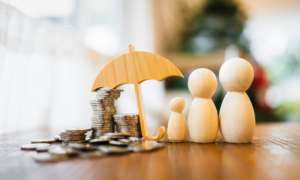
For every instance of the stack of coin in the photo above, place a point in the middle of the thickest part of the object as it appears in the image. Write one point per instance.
(134, 125)
(116, 135)
(74, 135)
(128, 123)
(121, 123)
(103, 110)
(148, 145)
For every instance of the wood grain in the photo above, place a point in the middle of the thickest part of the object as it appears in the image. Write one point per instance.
(135, 67)
(274, 154)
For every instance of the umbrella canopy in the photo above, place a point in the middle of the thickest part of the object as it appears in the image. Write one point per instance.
(134, 68)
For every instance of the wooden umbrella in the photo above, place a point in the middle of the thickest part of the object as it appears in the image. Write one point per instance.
(134, 68)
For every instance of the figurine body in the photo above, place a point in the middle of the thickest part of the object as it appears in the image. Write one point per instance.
(203, 116)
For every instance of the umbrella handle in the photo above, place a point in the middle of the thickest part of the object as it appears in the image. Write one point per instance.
(143, 122)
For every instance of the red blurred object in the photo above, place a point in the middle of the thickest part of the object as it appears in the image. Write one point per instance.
(259, 86)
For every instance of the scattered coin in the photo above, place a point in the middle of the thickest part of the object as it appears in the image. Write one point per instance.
(33, 147)
(49, 141)
(82, 146)
(125, 140)
(112, 133)
(113, 149)
(118, 143)
(135, 139)
(42, 149)
(160, 145)
(63, 151)
(147, 145)
(46, 157)
(95, 148)
(105, 138)
(100, 141)
(92, 154)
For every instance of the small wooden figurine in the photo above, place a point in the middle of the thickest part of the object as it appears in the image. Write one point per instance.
(176, 126)
(237, 119)
(203, 116)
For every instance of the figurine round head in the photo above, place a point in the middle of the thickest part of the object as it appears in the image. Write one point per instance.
(236, 75)
(177, 104)
(202, 83)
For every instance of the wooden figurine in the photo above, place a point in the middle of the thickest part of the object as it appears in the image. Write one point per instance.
(134, 68)
(176, 125)
(237, 119)
(203, 116)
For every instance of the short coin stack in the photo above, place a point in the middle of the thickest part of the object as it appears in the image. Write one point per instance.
(74, 135)
(128, 123)
(134, 125)
(103, 110)
(121, 123)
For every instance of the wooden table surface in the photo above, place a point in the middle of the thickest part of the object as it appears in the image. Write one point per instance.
(273, 154)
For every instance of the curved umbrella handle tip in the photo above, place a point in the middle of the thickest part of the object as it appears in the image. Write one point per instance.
(161, 133)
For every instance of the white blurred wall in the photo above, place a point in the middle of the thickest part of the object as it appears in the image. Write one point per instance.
(46, 73)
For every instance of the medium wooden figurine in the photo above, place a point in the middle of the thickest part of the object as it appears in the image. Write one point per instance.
(176, 126)
(237, 119)
(203, 116)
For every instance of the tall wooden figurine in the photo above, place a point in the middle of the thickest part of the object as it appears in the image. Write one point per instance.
(203, 116)
(176, 125)
(237, 119)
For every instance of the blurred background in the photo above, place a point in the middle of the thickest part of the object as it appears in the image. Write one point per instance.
(51, 52)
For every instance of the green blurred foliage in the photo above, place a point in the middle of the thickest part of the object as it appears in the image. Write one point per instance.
(218, 24)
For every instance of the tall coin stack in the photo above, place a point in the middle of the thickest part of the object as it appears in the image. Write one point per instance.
(128, 123)
(103, 110)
